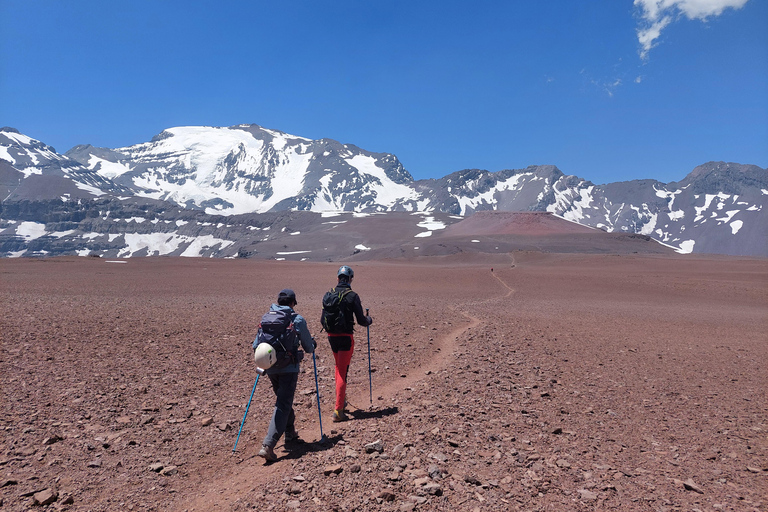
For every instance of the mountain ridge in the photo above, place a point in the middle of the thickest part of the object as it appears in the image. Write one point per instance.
(245, 169)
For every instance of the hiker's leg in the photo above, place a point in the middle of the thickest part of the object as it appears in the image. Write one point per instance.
(290, 425)
(285, 387)
(343, 358)
(274, 380)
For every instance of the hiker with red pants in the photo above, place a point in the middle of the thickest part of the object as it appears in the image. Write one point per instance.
(341, 307)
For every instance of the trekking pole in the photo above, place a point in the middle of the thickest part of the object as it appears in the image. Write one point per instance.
(370, 380)
(317, 388)
(259, 373)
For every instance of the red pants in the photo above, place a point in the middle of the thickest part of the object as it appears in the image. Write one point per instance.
(342, 358)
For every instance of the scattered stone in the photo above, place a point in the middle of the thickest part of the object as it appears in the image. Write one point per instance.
(434, 489)
(169, 470)
(557, 431)
(156, 467)
(386, 496)
(335, 469)
(421, 481)
(95, 463)
(691, 486)
(472, 480)
(394, 476)
(7, 482)
(32, 492)
(45, 497)
(52, 440)
(587, 495)
(376, 446)
(223, 426)
(439, 456)
(355, 468)
(435, 472)
(562, 463)
(207, 421)
(688, 485)
(27, 451)
(299, 478)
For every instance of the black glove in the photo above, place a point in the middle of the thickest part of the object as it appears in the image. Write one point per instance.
(369, 319)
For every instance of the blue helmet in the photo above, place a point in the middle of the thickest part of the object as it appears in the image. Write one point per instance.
(346, 271)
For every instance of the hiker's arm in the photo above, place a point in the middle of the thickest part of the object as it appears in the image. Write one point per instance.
(357, 307)
(307, 343)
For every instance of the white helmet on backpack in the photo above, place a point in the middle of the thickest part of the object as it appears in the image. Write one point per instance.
(265, 355)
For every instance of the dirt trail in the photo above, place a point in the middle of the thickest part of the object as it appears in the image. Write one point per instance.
(234, 480)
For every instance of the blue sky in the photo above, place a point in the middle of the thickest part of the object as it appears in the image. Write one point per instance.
(607, 90)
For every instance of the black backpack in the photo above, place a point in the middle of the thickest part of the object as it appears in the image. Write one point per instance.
(276, 328)
(334, 317)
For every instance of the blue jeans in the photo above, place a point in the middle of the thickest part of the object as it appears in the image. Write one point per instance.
(283, 418)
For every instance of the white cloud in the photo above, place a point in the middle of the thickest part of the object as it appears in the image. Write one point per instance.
(607, 86)
(657, 14)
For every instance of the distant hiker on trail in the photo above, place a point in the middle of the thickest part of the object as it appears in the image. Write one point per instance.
(283, 371)
(341, 306)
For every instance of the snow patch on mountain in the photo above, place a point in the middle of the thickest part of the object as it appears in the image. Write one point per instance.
(107, 169)
(471, 199)
(383, 189)
(30, 230)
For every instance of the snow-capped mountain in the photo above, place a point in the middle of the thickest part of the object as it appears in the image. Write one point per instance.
(248, 169)
(718, 208)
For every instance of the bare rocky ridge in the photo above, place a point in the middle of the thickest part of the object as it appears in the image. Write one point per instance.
(553, 382)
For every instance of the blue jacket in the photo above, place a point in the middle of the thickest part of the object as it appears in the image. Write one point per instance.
(304, 339)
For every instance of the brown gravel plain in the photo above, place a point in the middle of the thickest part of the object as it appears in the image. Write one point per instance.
(554, 382)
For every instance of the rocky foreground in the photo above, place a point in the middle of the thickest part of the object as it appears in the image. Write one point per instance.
(560, 382)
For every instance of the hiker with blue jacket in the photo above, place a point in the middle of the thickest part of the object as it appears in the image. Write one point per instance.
(285, 375)
(341, 307)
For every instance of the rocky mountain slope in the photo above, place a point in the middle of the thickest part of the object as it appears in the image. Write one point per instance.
(202, 191)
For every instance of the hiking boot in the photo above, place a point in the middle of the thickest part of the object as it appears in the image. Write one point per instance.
(339, 415)
(268, 453)
(293, 437)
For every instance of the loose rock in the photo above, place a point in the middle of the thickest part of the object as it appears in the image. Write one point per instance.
(376, 446)
(335, 469)
(45, 497)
